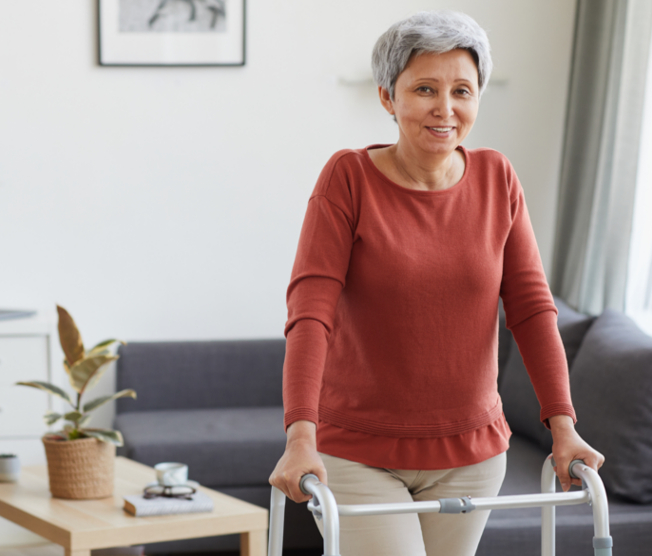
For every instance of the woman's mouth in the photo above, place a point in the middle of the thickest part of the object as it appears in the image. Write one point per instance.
(441, 131)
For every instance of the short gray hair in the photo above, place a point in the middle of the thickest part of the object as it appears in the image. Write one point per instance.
(437, 32)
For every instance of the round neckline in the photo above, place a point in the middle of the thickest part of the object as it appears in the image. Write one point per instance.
(422, 192)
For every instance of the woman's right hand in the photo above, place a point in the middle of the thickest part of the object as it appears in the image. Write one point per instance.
(299, 459)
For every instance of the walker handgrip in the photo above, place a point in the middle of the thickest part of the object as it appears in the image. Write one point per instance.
(303, 480)
(570, 468)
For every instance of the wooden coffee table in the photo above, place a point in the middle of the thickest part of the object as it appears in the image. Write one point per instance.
(81, 525)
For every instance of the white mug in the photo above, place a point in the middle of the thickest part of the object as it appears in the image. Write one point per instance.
(171, 473)
(9, 468)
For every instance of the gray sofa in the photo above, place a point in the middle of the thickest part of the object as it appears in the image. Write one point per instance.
(217, 407)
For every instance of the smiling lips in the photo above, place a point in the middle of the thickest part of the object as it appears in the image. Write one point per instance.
(441, 129)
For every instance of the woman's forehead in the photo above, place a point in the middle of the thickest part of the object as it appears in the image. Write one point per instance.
(454, 62)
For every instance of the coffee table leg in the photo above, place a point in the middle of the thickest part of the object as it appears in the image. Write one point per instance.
(70, 552)
(252, 543)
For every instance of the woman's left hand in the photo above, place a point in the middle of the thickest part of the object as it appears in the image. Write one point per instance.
(567, 446)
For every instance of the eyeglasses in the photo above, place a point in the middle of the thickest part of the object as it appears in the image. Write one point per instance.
(183, 492)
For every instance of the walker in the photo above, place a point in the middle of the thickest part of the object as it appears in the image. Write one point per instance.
(324, 506)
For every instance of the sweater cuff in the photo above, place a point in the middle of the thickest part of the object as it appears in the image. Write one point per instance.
(557, 409)
(299, 414)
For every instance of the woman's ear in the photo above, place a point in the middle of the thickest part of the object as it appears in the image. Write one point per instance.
(386, 100)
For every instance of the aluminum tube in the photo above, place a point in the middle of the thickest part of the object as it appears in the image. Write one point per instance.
(276, 519)
(497, 502)
(532, 500)
(398, 508)
(548, 485)
(598, 498)
(329, 513)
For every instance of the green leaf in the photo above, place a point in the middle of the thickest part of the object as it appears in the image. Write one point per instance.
(51, 417)
(73, 416)
(103, 345)
(85, 419)
(97, 402)
(85, 373)
(66, 366)
(69, 337)
(114, 437)
(74, 434)
(49, 388)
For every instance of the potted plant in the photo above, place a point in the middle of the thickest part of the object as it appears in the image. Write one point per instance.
(80, 458)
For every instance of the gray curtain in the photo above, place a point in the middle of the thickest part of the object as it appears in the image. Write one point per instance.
(601, 149)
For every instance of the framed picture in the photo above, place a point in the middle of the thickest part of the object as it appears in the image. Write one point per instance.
(172, 32)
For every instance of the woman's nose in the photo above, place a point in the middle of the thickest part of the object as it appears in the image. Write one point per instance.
(443, 106)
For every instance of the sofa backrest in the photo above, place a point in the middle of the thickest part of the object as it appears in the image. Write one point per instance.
(197, 375)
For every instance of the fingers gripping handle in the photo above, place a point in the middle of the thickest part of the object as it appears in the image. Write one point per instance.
(570, 466)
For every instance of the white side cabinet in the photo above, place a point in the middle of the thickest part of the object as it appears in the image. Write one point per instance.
(24, 356)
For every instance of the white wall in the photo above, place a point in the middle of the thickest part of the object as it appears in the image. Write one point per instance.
(166, 203)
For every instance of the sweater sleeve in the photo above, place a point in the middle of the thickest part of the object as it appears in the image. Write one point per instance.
(318, 276)
(530, 311)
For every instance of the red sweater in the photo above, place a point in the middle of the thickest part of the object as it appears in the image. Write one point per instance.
(393, 303)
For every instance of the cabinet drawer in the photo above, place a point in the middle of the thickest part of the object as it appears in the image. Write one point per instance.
(22, 358)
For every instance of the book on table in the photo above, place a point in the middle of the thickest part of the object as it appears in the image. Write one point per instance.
(138, 506)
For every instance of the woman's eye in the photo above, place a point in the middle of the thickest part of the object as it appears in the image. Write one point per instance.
(463, 92)
(425, 89)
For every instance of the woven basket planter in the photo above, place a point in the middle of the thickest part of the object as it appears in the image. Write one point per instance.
(80, 469)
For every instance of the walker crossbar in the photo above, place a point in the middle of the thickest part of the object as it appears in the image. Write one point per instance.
(324, 507)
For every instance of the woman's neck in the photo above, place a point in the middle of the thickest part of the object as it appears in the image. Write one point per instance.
(430, 173)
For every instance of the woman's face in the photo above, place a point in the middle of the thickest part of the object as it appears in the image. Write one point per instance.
(436, 101)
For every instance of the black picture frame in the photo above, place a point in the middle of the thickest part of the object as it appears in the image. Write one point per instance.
(135, 45)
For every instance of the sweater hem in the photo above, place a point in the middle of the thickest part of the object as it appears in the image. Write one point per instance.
(393, 430)
(415, 453)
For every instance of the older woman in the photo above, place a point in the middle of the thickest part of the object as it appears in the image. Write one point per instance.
(390, 387)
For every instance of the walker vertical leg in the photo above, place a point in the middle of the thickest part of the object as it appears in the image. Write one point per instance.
(602, 541)
(326, 508)
(276, 519)
(548, 484)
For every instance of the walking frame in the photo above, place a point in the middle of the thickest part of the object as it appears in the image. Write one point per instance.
(324, 507)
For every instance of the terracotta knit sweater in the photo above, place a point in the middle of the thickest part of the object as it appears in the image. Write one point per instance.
(393, 302)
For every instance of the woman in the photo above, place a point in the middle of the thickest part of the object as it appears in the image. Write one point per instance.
(390, 387)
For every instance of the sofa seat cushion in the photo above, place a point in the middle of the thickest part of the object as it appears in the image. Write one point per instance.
(222, 447)
(611, 384)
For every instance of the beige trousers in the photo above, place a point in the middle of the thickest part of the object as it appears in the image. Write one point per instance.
(427, 534)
